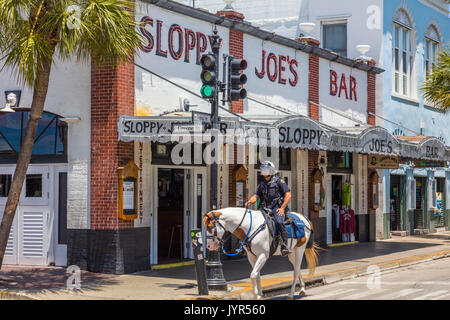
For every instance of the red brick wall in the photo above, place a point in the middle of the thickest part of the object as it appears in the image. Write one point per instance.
(371, 82)
(313, 88)
(313, 113)
(112, 94)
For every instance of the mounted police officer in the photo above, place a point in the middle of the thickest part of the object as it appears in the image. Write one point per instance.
(275, 194)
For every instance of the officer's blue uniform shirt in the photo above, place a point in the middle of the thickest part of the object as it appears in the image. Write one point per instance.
(270, 191)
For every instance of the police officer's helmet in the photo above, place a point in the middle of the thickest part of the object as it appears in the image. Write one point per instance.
(268, 169)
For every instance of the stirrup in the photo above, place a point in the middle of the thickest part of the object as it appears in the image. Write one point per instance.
(285, 251)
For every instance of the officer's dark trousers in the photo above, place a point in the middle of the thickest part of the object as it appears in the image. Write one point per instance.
(279, 226)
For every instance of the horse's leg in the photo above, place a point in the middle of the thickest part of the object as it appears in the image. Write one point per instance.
(300, 254)
(255, 275)
(296, 260)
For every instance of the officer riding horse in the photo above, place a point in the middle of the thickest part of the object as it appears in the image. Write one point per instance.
(275, 194)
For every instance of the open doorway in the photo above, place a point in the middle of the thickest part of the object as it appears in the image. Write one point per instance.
(394, 206)
(343, 220)
(170, 214)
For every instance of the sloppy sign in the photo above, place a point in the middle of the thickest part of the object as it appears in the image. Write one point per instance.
(301, 133)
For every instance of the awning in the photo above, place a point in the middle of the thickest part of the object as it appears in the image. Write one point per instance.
(297, 132)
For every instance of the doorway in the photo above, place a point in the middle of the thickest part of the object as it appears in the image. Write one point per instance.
(420, 211)
(180, 199)
(394, 206)
(170, 214)
(341, 219)
(37, 236)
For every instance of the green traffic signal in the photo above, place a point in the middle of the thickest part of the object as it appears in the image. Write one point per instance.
(207, 91)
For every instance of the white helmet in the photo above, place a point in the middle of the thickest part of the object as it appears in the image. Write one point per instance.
(268, 169)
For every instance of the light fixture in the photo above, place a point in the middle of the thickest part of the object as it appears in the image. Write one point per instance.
(363, 49)
(307, 27)
(228, 5)
(12, 98)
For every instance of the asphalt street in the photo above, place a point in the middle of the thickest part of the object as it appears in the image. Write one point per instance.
(423, 281)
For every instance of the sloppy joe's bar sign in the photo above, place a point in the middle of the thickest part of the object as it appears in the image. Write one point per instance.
(301, 133)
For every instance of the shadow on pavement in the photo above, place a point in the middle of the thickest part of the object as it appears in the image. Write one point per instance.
(53, 278)
(46, 278)
(239, 269)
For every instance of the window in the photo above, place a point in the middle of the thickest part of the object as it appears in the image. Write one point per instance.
(51, 135)
(335, 37)
(284, 158)
(33, 186)
(340, 162)
(403, 57)
(5, 184)
(432, 47)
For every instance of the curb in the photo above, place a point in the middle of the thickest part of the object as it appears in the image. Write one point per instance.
(7, 295)
(283, 283)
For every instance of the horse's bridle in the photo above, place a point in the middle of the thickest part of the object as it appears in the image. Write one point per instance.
(214, 229)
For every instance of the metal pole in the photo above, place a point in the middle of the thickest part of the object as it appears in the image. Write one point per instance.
(214, 271)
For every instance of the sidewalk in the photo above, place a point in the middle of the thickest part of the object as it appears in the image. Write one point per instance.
(335, 263)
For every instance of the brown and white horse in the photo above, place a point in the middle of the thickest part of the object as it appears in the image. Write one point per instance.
(237, 221)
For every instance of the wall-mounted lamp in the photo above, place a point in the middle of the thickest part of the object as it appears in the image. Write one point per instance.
(306, 28)
(422, 127)
(228, 5)
(363, 49)
(12, 98)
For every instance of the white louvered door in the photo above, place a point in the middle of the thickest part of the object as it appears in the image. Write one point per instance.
(10, 256)
(32, 236)
(29, 237)
(33, 222)
(6, 174)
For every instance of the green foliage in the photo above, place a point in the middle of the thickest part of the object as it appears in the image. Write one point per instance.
(436, 88)
(34, 30)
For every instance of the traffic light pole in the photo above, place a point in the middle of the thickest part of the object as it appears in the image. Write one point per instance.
(214, 271)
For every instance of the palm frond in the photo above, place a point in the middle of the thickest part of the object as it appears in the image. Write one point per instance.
(436, 88)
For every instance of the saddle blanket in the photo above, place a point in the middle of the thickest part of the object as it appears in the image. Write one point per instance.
(298, 226)
(295, 227)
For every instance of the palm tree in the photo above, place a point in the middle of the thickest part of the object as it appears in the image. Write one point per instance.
(33, 32)
(436, 87)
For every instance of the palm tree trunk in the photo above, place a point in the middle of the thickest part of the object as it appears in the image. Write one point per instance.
(37, 107)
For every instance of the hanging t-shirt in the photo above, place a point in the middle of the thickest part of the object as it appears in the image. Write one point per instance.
(346, 195)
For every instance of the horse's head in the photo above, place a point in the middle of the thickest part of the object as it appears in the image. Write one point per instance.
(214, 229)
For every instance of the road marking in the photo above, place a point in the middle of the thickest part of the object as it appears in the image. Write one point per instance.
(333, 293)
(437, 293)
(394, 283)
(399, 294)
(363, 294)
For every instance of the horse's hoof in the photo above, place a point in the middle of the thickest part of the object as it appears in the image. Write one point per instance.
(302, 292)
(259, 297)
(289, 297)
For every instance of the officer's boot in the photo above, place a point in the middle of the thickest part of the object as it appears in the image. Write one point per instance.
(284, 243)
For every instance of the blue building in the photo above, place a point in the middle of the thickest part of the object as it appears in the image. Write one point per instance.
(416, 196)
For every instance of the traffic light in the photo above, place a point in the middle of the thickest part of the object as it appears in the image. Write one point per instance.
(236, 79)
(208, 76)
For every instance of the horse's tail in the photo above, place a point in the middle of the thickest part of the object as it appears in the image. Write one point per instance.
(311, 252)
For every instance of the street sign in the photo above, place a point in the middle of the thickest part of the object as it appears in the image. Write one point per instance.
(377, 161)
(429, 164)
